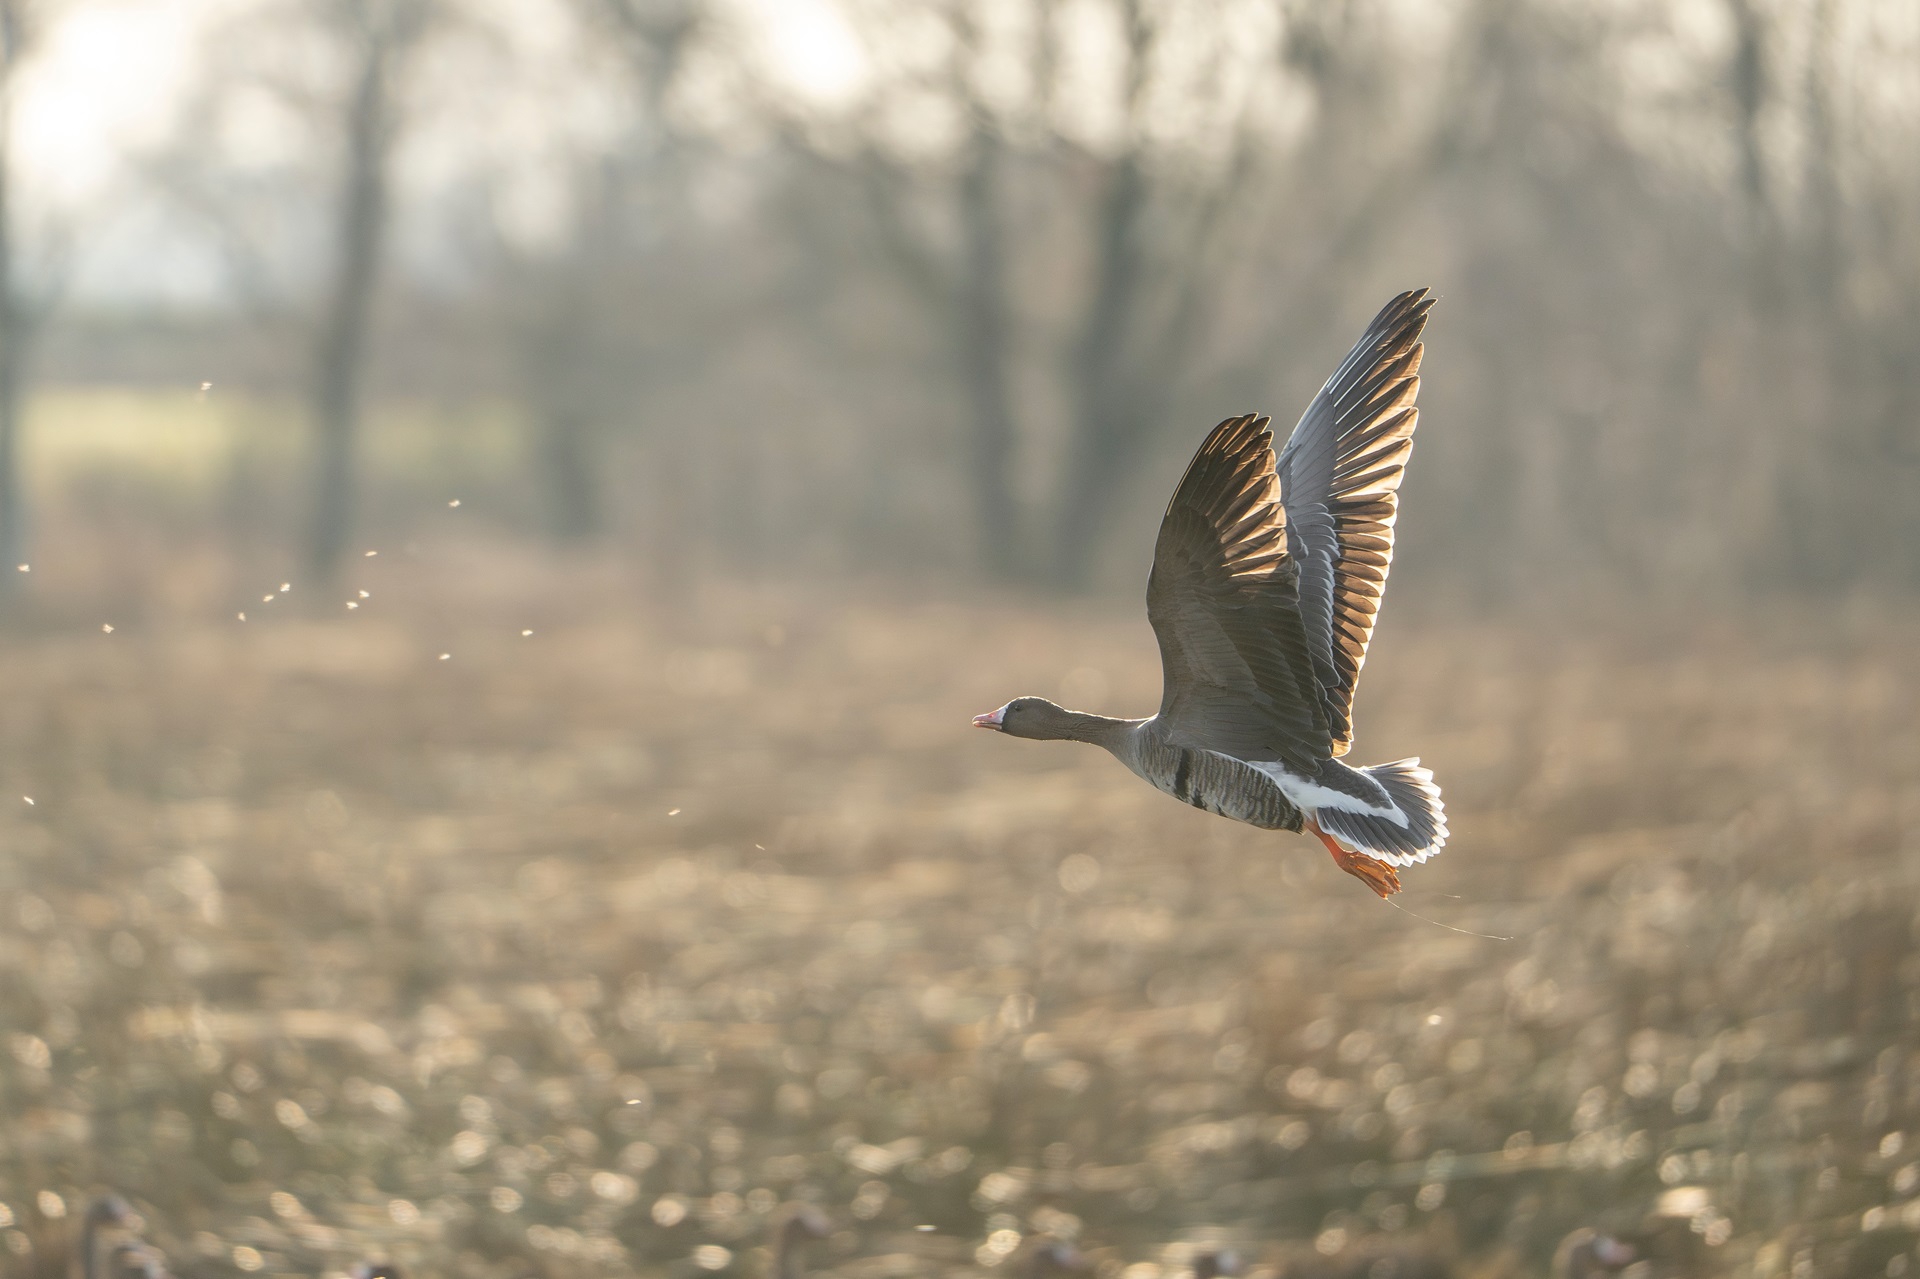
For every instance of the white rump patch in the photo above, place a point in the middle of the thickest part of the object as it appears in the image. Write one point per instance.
(1409, 772)
(1314, 797)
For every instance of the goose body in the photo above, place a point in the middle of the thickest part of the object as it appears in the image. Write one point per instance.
(1267, 577)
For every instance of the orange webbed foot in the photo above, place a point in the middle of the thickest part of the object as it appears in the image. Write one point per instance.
(1371, 871)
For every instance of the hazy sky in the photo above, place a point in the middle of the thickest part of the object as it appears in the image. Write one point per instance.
(103, 86)
(100, 86)
(101, 93)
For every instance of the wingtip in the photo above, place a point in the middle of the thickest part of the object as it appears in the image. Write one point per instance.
(1401, 321)
(1236, 433)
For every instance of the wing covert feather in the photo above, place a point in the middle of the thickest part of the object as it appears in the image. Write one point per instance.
(1239, 676)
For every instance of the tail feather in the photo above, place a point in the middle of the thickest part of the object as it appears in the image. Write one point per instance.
(1383, 836)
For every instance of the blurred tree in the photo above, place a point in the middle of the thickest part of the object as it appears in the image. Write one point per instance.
(285, 151)
(1119, 375)
(1822, 150)
(1847, 484)
(21, 312)
(1103, 212)
(571, 329)
(561, 322)
(1748, 80)
(984, 332)
(376, 36)
(965, 290)
(1217, 248)
(967, 298)
(13, 317)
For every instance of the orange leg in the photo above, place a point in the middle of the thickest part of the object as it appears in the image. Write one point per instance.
(1371, 871)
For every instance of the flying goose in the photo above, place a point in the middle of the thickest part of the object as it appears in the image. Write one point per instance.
(1266, 580)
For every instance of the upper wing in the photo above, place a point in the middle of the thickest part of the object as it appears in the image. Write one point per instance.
(1339, 478)
(1239, 674)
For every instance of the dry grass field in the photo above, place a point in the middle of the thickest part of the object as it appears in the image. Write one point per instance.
(574, 952)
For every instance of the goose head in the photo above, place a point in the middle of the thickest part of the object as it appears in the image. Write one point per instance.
(1041, 720)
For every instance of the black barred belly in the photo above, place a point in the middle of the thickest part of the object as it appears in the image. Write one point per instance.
(1220, 784)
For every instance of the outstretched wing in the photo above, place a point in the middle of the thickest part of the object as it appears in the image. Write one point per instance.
(1339, 479)
(1239, 674)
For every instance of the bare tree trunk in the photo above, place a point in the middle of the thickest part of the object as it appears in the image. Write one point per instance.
(1823, 221)
(570, 456)
(1115, 404)
(1110, 418)
(568, 370)
(969, 302)
(1749, 77)
(561, 367)
(983, 330)
(1837, 475)
(341, 354)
